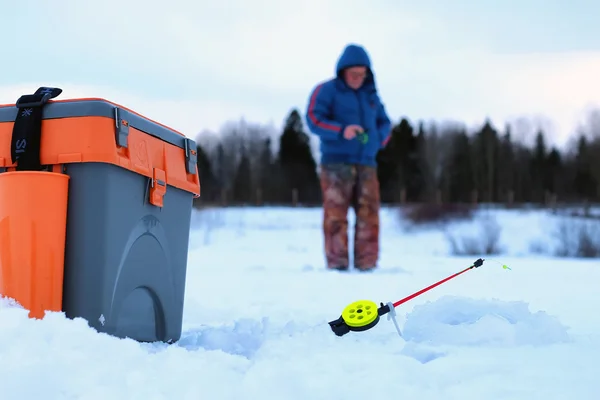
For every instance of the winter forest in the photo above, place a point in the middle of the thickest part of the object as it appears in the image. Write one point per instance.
(424, 162)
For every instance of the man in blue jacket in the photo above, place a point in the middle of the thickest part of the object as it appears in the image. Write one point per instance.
(352, 124)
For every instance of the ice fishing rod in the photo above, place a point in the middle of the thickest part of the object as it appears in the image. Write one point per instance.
(362, 315)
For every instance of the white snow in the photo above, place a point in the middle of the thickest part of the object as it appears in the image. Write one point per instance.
(258, 301)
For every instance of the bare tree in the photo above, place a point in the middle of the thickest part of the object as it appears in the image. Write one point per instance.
(593, 130)
(436, 149)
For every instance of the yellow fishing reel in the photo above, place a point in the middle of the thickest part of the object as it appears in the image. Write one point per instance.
(359, 316)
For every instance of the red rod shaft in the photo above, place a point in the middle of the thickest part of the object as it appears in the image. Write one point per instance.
(420, 292)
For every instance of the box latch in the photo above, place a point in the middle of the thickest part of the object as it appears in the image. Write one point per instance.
(191, 155)
(158, 187)
(121, 129)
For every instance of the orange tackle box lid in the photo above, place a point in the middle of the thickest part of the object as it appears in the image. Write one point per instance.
(95, 130)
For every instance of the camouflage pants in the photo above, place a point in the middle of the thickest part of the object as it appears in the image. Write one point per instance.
(344, 186)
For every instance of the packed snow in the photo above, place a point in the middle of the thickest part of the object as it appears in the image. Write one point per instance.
(258, 300)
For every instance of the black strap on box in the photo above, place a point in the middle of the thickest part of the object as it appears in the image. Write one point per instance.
(27, 131)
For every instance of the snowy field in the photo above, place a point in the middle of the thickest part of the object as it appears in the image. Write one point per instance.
(258, 301)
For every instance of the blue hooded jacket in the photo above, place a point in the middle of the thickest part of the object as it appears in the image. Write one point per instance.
(333, 105)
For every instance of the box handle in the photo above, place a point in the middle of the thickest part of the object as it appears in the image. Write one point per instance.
(27, 129)
(158, 187)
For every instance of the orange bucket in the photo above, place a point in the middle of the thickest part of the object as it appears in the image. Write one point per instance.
(33, 216)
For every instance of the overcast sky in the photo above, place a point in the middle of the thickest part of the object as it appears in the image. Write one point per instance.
(194, 65)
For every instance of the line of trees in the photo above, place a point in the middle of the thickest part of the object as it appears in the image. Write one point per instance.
(248, 164)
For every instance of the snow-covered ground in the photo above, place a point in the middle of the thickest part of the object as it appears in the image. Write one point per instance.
(258, 301)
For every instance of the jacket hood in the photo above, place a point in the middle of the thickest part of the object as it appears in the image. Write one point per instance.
(355, 55)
